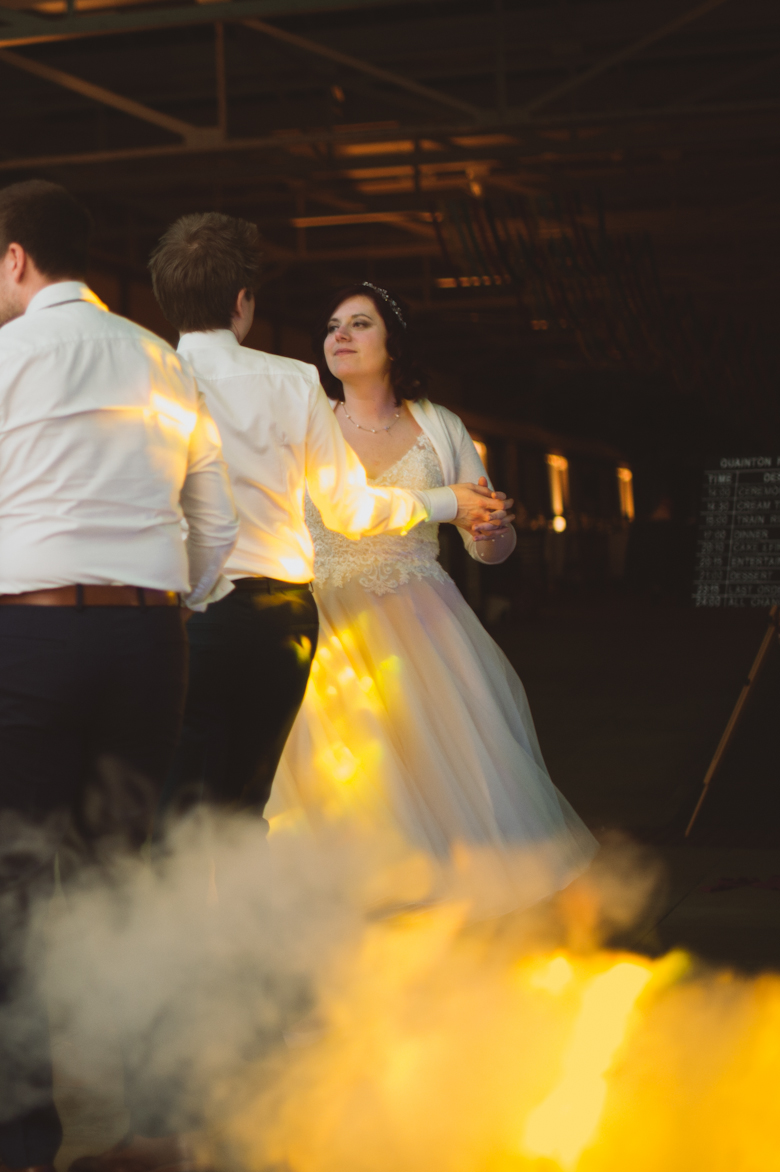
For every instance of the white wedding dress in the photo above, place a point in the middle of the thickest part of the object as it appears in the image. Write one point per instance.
(414, 723)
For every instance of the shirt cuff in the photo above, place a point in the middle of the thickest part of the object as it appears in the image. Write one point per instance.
(441, 503)
(221, 589)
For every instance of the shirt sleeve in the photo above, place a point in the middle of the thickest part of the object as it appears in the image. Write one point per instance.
(207, 503)
(337, 484)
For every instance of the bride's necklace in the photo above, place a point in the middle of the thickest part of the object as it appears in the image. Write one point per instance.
(374, 430)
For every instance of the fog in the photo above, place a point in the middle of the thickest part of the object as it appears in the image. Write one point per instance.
(326, 1004)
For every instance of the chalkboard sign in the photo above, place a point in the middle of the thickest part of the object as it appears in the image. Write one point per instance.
(738, 547)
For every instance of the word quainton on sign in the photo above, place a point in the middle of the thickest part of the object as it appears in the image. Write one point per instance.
(738, 546)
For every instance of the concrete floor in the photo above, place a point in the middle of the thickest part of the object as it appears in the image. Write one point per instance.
(630, 700)
(737, 926)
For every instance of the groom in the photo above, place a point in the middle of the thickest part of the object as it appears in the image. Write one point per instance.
(104, 448)
(251, 652)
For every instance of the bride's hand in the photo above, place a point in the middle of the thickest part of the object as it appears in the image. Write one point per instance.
(478, 506)
(493, 528)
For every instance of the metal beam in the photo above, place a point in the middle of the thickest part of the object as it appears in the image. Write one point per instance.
(277, 142)
(500, 36)
(369, 252)
(101, 258)
(221, 77)
(278, 252)
(418, 219)
(416, 223)
(394, 79)
(24, 28)
(623, 54)
(194, 136)
(723, 83)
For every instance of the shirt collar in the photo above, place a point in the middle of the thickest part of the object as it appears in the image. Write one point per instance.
(62, 291)
(208, 340)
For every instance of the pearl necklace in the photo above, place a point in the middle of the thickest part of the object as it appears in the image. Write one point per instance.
(373, 430)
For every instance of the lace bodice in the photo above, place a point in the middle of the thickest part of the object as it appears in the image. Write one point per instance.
(383, 563)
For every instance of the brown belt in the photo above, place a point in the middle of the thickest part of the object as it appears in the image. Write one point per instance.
(92, 596)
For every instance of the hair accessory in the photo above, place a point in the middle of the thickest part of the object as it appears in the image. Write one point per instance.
(386, 297)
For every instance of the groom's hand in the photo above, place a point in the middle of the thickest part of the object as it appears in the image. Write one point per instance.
(482, 512)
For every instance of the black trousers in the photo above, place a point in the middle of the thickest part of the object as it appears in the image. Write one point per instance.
(250, 658)
(91, 702)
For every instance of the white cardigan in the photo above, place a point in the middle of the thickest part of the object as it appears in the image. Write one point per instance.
(458, 457)
(460, 463)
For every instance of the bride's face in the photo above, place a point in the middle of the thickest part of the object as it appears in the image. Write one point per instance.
(356, 343)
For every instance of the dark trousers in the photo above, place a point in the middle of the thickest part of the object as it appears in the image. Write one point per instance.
(250, 657)
(91, 702)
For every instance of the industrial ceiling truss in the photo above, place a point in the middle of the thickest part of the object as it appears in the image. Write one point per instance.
(340, 126)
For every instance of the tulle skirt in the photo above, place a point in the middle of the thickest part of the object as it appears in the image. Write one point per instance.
(415, 728)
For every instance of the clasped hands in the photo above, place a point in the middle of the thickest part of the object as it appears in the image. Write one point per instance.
(484, 513)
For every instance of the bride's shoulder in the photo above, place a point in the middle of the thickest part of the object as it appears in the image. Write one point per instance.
(448, 419)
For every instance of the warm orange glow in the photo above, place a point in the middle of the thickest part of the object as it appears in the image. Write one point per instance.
(302, 648)
(88, 295)
(559, 462)
(363, 515)
(394, 147)
(483, 140)
(326, 477)
(438, 1050)
(553, 976)
(338, 761)
(566, 1121)
(466, 282)
(559, 524)
(172, 414)
(344, 780)
(482, 450)
(212, 432)
(296, 568)
(558, 474)
(626, 490)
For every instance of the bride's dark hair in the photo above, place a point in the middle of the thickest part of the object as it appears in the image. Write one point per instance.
(408, 377)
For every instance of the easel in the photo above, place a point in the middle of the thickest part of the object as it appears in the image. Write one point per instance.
(773, 631)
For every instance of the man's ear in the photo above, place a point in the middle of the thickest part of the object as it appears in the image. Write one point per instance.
(15, 263)
(244, 296)
(243, 314)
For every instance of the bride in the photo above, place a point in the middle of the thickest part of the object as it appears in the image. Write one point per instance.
(414, 726)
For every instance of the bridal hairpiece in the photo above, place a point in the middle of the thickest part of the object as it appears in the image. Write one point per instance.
(386, 297)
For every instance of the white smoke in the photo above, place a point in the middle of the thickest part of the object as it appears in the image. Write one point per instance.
(297, 1004)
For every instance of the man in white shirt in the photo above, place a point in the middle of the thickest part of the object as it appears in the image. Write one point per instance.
(251, 653)
(105, 447)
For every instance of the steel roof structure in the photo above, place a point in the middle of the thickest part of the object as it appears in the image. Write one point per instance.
(340, 127)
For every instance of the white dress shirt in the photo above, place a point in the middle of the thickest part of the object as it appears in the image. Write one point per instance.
(279, 436)
(105, 447)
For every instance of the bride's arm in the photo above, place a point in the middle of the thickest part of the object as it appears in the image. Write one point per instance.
(493, 550)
